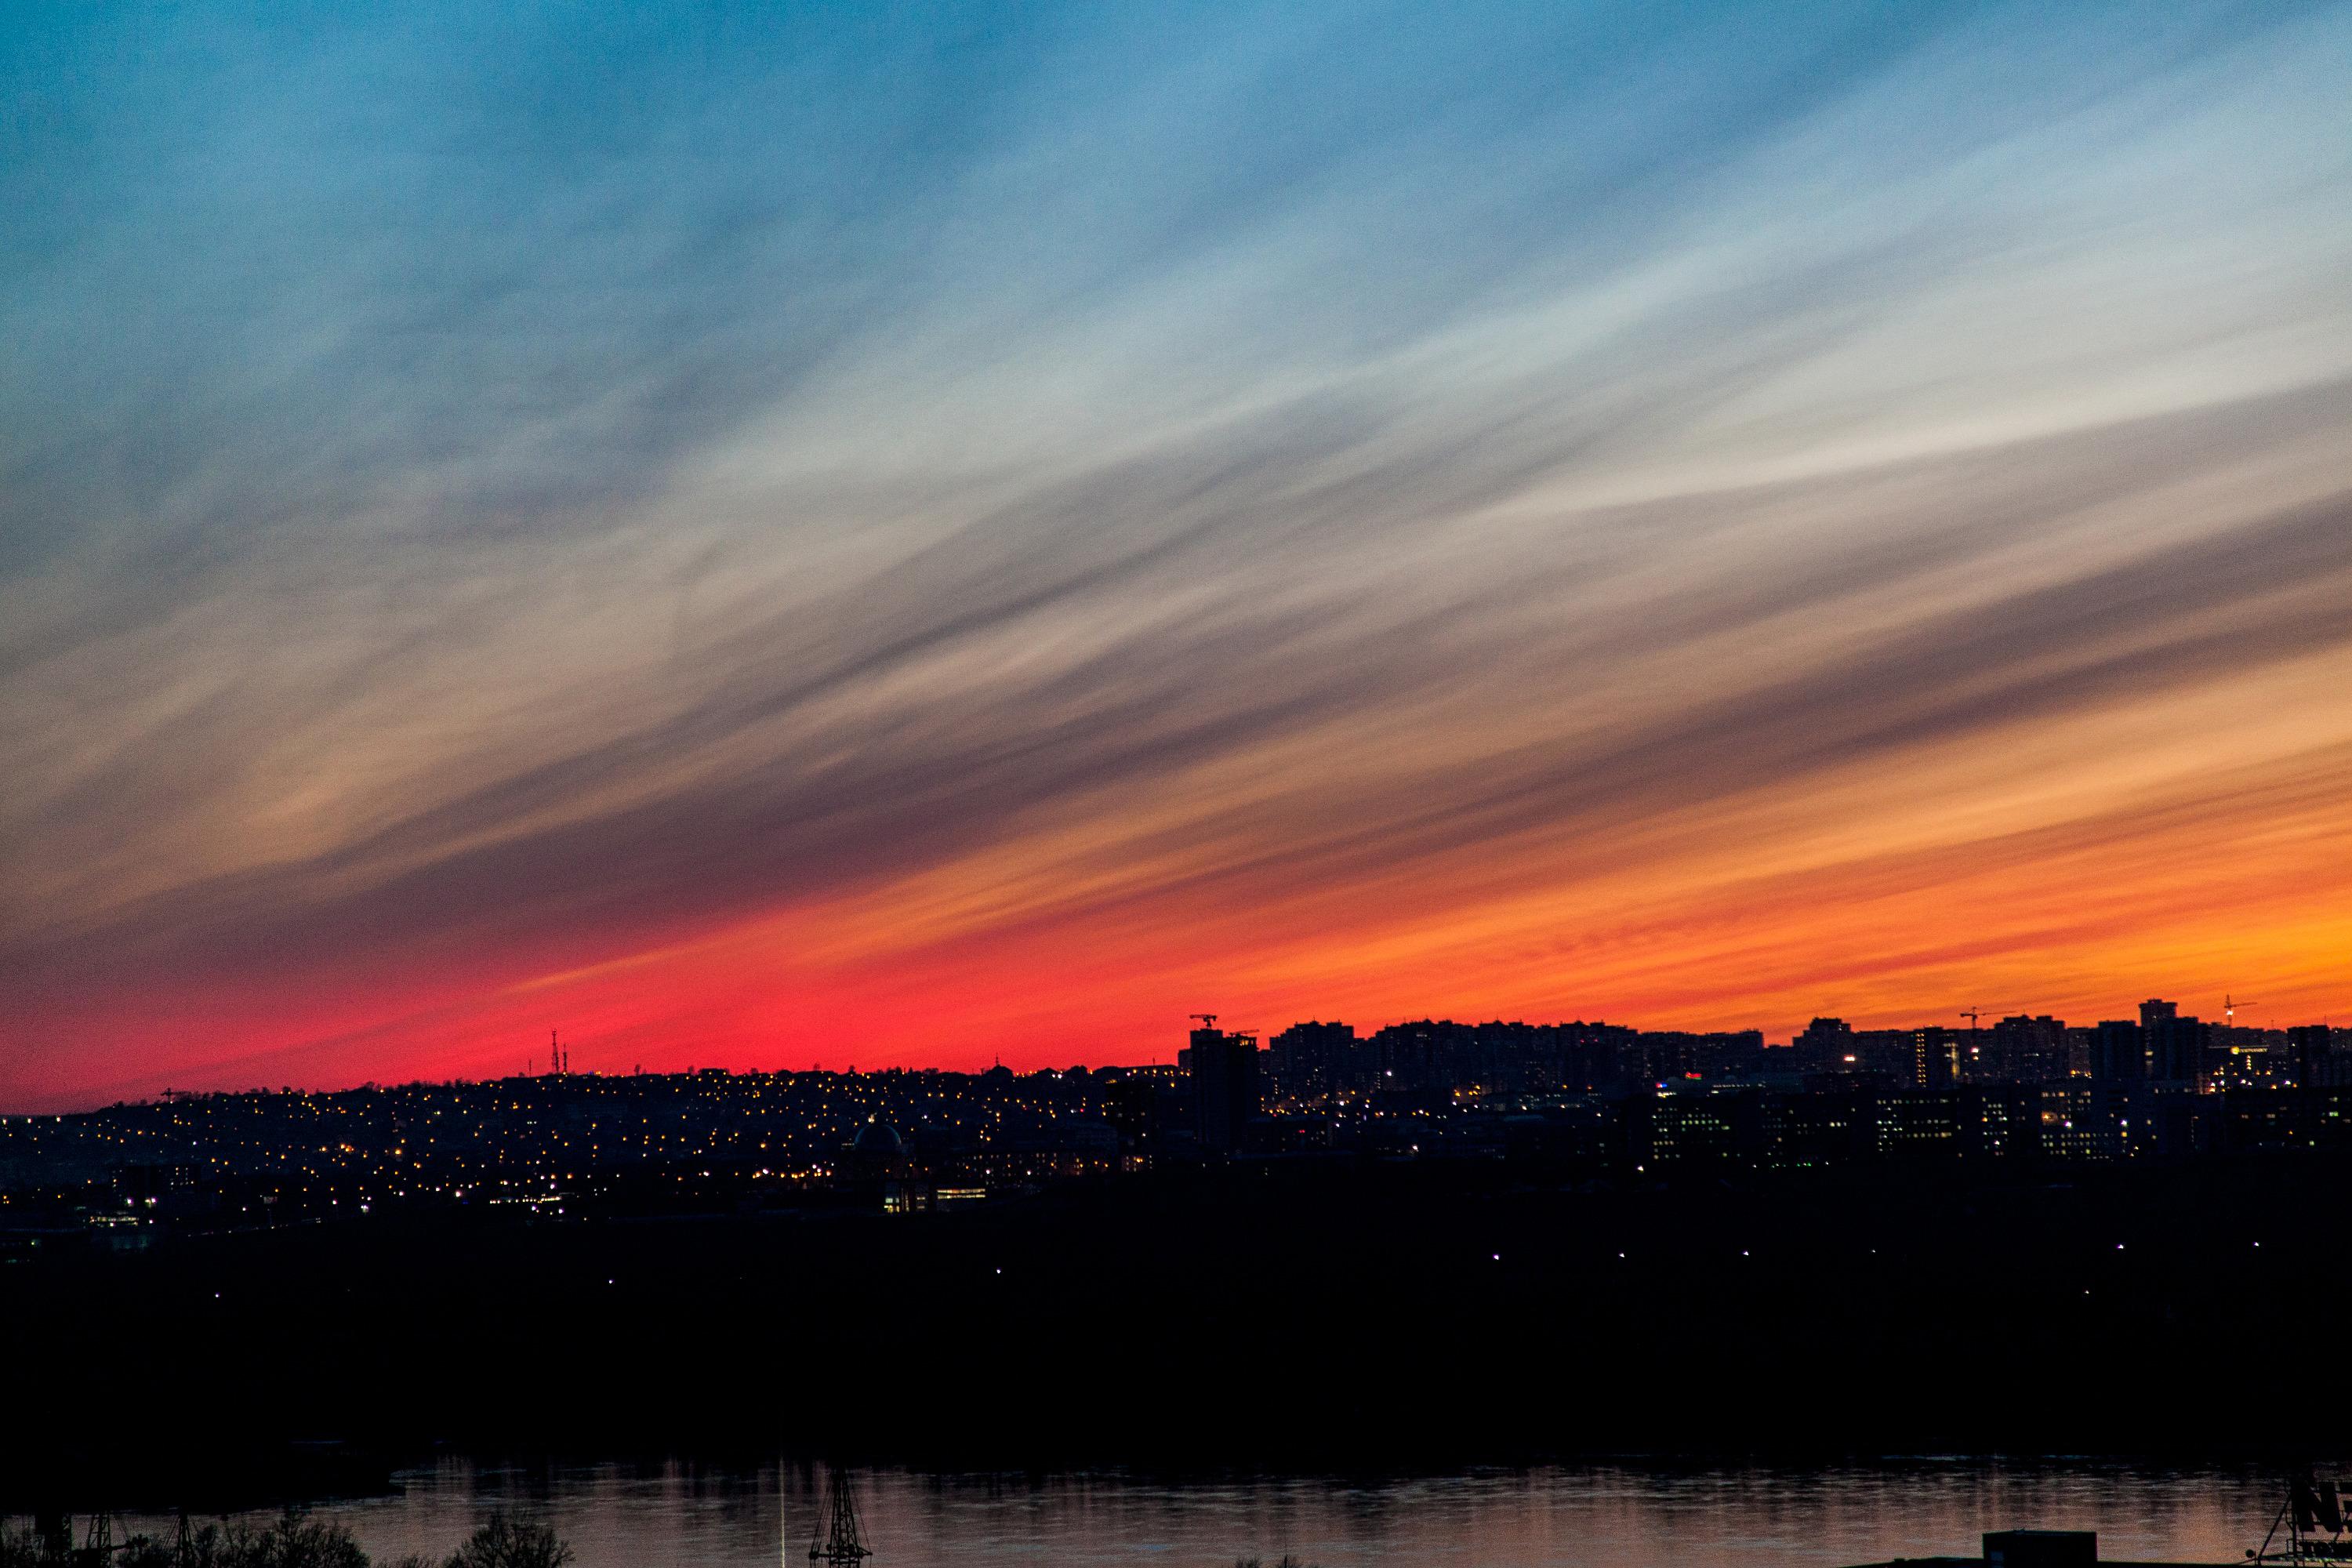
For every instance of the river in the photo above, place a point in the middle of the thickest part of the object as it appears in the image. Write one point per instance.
(1637, 1516)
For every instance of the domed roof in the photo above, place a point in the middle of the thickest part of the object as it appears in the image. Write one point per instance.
(879, 1138)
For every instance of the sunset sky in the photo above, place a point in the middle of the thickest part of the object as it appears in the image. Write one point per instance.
(869, 534)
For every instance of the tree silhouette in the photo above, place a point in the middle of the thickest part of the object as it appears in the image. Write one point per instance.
(506, 1542)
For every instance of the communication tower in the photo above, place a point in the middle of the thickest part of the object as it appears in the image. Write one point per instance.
(838, 1540)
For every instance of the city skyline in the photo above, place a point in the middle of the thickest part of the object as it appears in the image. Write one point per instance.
(553, 1057)
(1588, 1100)
(960, 535)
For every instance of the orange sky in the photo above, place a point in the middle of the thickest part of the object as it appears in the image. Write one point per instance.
(2050, 868)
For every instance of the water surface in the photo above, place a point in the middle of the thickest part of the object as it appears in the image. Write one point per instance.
(654, 1515)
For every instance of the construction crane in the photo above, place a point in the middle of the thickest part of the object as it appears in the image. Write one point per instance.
(2230, 1006)
(1207, 1020)
(1976, 1050)
(1975, 1015)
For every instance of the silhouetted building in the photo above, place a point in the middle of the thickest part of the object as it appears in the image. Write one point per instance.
(1932, 1050)
(2312, 1047)
(1224, 1087)
(1825, 1046)
(1406, 1056)
(1668, 1129)
(1890, 1053)
(1821, 1130)
(2172, 1053)
(1917, 1124)
(2022, 1049)
(2177, 1048)
(2117, 1052)
(1999, 1121)
(1311, 1060)
(2074, 1124)
(1674, 1054)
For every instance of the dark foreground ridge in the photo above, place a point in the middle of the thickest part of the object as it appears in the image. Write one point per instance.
(1394, 1317)
(292, 1541)
(2030, 1549)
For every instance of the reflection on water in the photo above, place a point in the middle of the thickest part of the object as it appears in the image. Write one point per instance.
(649, 1516)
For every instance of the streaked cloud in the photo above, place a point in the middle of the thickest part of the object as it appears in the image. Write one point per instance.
(757, 531)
